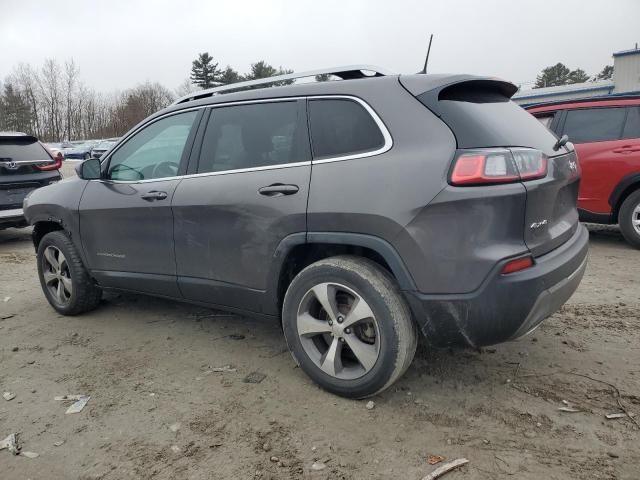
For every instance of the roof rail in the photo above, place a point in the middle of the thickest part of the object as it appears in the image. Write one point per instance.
(345, 73)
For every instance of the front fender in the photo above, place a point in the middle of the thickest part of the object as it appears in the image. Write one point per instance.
(57, 203)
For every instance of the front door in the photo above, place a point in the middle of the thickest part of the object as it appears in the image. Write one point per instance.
(249, 192)
(126, 222)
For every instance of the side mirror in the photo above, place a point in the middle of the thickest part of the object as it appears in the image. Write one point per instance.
(89, 169)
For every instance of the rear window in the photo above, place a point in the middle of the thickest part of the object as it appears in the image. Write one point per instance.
(18, 150)
(482, 117)
(341, 127)
(594, 124)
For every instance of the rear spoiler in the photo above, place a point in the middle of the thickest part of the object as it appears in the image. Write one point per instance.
(434, 88)
(17, 136)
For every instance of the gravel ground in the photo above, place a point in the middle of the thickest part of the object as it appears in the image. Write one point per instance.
(157, 411)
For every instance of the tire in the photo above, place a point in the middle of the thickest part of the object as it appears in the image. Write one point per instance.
(79, 292)
(630, 212)
(385, 341)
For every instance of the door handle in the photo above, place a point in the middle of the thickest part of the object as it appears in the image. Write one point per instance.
(627, 149)
(154, 195)
(278, 189)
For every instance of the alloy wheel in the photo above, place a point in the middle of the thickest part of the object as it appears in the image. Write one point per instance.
(635, 219)
(338, 331)
(56, 274)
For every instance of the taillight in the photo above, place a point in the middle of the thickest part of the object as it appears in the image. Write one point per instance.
(57, 160)
(57, 164)
(517, 265)
(531, 164)
(484, 167)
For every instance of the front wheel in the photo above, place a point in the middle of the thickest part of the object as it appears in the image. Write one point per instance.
(348, 326)
(629, 219)
(64, 280)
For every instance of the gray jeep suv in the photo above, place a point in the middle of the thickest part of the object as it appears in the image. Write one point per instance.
(359, 211)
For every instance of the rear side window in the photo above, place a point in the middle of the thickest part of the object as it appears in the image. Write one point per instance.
(594, 124)
(632, 126)
(19, 150)
(257, 135)
(341, 127)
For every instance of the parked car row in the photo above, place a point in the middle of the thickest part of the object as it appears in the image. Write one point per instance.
(82, 149)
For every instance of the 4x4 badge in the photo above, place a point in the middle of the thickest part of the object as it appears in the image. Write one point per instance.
(536, 225)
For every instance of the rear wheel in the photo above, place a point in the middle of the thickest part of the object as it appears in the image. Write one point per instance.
(64, 280)
(348, 326)
(629, 219)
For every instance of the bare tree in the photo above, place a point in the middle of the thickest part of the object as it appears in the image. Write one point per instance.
(27, 80)
(185, 88)
(49, 84)
(70, 98)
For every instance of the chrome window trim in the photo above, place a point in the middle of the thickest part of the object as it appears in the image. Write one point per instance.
(388, 140)
(211, 174)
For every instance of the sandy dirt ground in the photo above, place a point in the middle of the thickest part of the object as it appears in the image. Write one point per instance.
(157, 411)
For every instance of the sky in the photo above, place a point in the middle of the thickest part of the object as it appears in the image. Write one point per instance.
(120, 43)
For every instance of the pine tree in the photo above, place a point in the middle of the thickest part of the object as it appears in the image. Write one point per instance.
(229, 75)
(605, 74)
(262, 69)
(578, 76)
(553, 76)
(16, 113)
(204, 73)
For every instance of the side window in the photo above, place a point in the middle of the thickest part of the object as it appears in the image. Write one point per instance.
(632, 126)
(254, 135)
(342, 127)
(594, 124)
(153, 152)
(546, 119)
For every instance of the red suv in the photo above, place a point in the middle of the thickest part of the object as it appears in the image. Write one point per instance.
(606, 135)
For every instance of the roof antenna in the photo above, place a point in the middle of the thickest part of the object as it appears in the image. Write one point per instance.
(426, 60)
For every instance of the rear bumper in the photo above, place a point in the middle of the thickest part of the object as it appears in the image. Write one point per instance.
(505, 306)
(12, 218)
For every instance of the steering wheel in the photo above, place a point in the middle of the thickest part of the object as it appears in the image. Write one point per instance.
(165, 169)
(125, 168)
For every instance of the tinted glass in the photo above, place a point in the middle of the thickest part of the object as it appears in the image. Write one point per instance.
(484, 117)
(248, 136)
(18, 150)
(153, 152)
(632, 127)
(594, 124)
(342, 127)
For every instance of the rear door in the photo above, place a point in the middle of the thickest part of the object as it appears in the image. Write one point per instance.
(248, 192)
(604, 156)
(126, 222)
